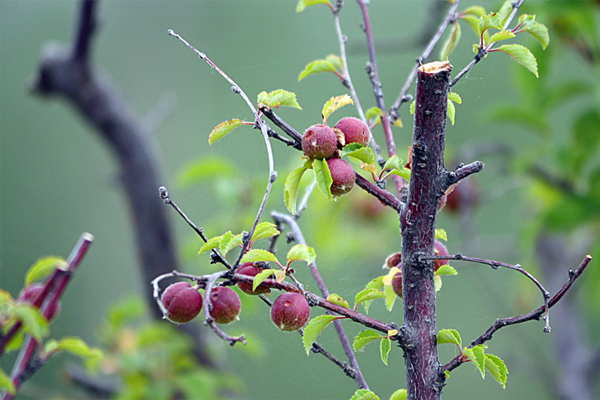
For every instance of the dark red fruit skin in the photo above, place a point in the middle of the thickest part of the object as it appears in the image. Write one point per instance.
(182, 302)
(251, 269)
(464, 196)
(226, 305)
(397, 284)
(355, 131)
(319, 141)
(290, 312)
(31, 293)
(440, 250)
(343, 176)
(395, 260)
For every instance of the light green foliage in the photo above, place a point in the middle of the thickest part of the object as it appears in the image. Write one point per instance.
(314, 328)
(264, 230)
(76, 346)
(302, 4)
(261, 276)
(255, 255)
(364, 338)
(364, 394)
(390, 297)
(44, 267)
(278, 98)
(384, 348)
(449, 336)
(334, 104)
(301, 252)
(497, 368)
(441, 234)
(479, 358)
(332, 63)
(292, 184)
(367, 295)
(451, 42)
(229, 241)
(323, 176)
(337, 299)
(400, 394)
(33, 321)
(537, 30)
(359, 152)
(446, 270)
(522, 54)
(452, 98)
(6, 384)
(223, 129)
(396, 167)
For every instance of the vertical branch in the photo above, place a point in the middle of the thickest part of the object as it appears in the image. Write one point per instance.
(428, 181)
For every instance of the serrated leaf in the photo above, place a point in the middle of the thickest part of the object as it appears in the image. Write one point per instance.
(394, 162)
(454, 97)
(223, 129)
(501, 35)
(451, 111)
(468, 352)
(364, 338)
(316, 67)
(522, 55)
(302, 4)
(33, 321)
(400, 394)
(376, 283)
(369, 168)
(449, 336)
(451, 42)
(390, 297)
(384, 349)
(290, 191)
(43, 267)
(540, 32)
(314, 328)
(437, 283)
(73, 345)
(259, 255)
(261, 276)
(278, 98)
(364, 394)
(446, 270)
(323, 175)
(366, 295)
(504, 11)
(212, 243)
(265, 230)
(6, 384)
(225, 239)
(301, 252)
(364, 154)
(337, 299)
(337, 61)
(497, 368)
(235, 241)
(373, 112)
(333, 104)
(479, 358)
(441, 234)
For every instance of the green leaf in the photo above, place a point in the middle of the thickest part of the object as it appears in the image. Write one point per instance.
(364, 394)
(264, 230)
(333, 104)
(6, 384)
(454, 97)
(497, 368)
(451, 42)
(394, 162)
(261, 276)
(451, 111)
(33, 321)
(475, 10)
(301, 252)
(74, 345)
(223, 129)
(376, 283)
(468, 352)
(302, 4)
(225, 239)
(384, 348)
(400, 394)
(540, 32)
(501, 35)
(290, 191)
(259, 255)
(364, 154)
(323, 175)
(412, 107)
(337, 61)
(364, 338)
(479, 358)
(473, 21)
(373, 112)
(314, 328)
(504, 12)
(522, 55)
(235, 241)
(446, 270)
(390, 297)
(212, 243)
(337, 299)
(44, 267)
(366, 295)
(316, 67)
(278, 98)
(449, 336)
(441, 234)
(437, 282)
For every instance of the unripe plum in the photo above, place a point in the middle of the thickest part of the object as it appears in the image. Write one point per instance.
(251, 269)
(290, 311)
(439, 250)
(343, 176)
(226, 305)
(31, 293)
(182, 302)
(319, 141)
(355, 131)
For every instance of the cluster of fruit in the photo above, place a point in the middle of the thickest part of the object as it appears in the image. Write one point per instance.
(183, 303)
(322, 142)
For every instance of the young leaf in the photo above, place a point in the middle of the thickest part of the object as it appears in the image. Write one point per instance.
(337, 299)
(400, 394)
(323, 175)
(265, 230)
(376, 283)
(6, 384)
(337, 61)
(412, 107)
(258, 255)
(437, 283)
(364, 338)
(316, 67)
(449, 336)
(454, 97)
(261, 276)
(73, 345)
(441, 234)
(290, 191)
(473, 21)
(394, 162)
(43, 267)
(468, 352)
(212, 243)
(504, 12)
(278, 98)
(373, 112)
(451, 42)
(369, 168)
(501, 35)
(384, 349)
(390, 297)
(522, 55)
(223, 129)
(333, 104)
(366, 295)
(475, 10)
(302, 4)
(364, 154)
(479, 358)
(446, 270)
(497, 368)
(225, 239)
(301, 252)
(540, 32)
(33, 321)
(314, 328)
(451, 111)
(235, 241)
(364, 394)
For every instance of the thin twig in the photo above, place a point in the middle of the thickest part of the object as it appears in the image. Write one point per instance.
(291, 132)
(209, 320)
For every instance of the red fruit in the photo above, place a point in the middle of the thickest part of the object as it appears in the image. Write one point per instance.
(31, 293)
(251, 269)
(440, 250)
(290, 311)
(319, 141)
(182, 302)
(464, 196)
(395, 260)
(343, 176)
(226, 305)
(397, 284)
(355, 131)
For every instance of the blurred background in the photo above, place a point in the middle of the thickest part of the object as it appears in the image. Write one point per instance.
(59, 179)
